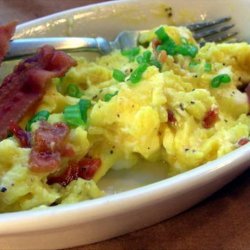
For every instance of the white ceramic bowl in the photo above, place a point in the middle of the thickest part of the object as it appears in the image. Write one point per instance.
(113, 215)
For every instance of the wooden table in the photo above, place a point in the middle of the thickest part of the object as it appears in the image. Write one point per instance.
(220, 222)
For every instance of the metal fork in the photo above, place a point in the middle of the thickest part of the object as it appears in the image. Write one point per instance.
(204, 31)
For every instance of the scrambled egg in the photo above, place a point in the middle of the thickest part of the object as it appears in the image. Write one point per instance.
(158, 118)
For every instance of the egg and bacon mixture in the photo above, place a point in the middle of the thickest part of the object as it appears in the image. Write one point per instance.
(167, 100)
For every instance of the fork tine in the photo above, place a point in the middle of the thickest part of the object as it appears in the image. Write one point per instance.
(204, 24)
(206, 33)
(221, 37)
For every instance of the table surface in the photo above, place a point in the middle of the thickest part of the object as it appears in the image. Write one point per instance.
(220, 222)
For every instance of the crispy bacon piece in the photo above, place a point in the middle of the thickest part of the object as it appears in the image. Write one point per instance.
(25, 87)
(211, 117)
(85, 169)
(22, 136)
(243, 141)
(50, 138)
(155, 43)
(49, 146)
(43, 162)
(6, 32)
(171, 117)
(162, 56)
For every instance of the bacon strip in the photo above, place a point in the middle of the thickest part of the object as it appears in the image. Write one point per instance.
(25, 87)
(6, 32)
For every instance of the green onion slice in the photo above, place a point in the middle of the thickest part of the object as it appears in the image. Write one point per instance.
(73, 91)
(208, 67)
(162, 34)
(72, 115)
(184, 40)
(131, 53)
(84, 105)
(193, 64)
(147, 55)
(108, 97)
(186, 50)
(155, 63)
(220, 79)
(76, 115)
(144, 58)
(42, 115)
(169, 45)
(136, 75)
(118, 75)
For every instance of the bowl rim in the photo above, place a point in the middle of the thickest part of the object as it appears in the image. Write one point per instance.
(109, 205)
(75, 10)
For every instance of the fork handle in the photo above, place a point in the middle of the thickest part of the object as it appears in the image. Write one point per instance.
(28, 46)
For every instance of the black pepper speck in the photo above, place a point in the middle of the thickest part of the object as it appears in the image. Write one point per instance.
(3, 189)
(182, 107)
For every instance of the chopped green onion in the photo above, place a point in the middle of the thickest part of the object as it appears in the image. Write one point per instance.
(72, 115)
(144, 58)
(162, 34)
(186, 50)
(42, 115)
(73, 91)
(131, 53)
(76, 115)
(155, 63)
(220, 79)
(108, 97)
(84, 105)
(136, 75)
(193, 64)
(140, 59)
(147, 55)
(118, 75)
(184, 40)
(208, 67)
(169, 45)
